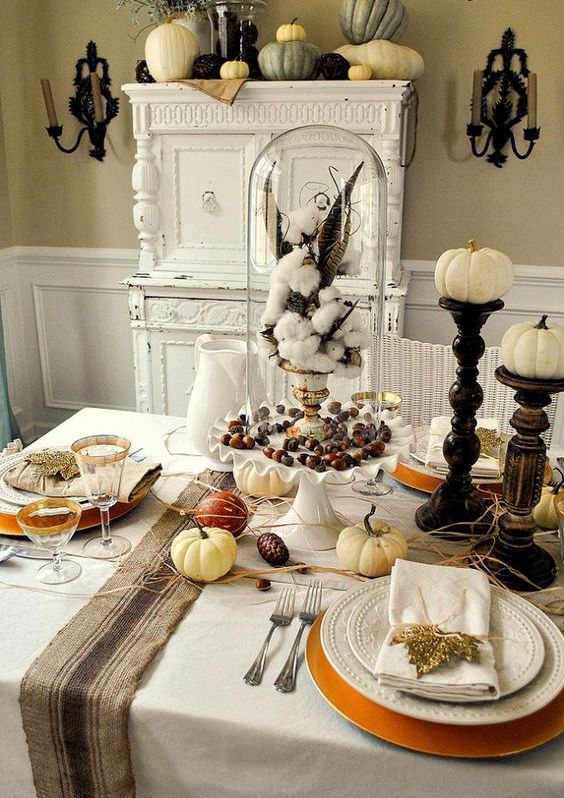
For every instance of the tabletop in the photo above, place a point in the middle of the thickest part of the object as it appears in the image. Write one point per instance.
(195, 728)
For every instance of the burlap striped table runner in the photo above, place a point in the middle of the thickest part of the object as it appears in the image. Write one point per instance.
(75, 697)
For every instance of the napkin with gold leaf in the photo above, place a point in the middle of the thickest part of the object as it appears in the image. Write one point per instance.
(438, 646)
(54, 472)
(487, 430)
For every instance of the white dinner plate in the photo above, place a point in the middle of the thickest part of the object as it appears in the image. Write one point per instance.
(533, 696)
(516, 641)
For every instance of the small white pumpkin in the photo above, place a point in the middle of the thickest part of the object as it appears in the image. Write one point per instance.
(170, 52)
(534, 351)
(360, 72)
(232, 70)
(291, 32)
(473, 275)
(203, 554)
(388, 61)
(544, 513)
(249, 481)
(371, 547)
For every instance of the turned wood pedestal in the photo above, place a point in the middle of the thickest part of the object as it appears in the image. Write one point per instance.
(456, 501)
(514, 558)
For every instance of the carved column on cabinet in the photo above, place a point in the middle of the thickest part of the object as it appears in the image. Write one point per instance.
(146, 211)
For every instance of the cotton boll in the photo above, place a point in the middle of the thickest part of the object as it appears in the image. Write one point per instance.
(276, 303)
(335, 350)
(302, 221)
(287, 265)
(327, 295)
(286, 326)
(321, 362)
(357, 338)
(307, 347)
(286, 349)
(305, 280)
(325, 316)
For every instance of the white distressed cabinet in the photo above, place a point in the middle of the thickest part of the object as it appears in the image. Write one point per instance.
(193, 161)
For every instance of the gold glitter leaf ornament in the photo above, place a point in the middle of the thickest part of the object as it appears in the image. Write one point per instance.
(54, 462)
(429, 646)
(489, 441)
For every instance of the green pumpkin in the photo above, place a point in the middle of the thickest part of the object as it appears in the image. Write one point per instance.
(289, 61)
(364, 20)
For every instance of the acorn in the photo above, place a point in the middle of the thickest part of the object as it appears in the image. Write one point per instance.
(334, 408)
(249, 442)
(302, 458)
(263, 584)
(268, 452)
(312, 461)
(311, 443)
(236, 442)
(280, 409)
(233, 423)
(225, 439)
(293, 412)
(272, 549)
(385, 433)
(338, 464)
(278, 455)
(287, 460)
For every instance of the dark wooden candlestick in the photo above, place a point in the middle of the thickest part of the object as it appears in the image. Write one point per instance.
(456, 500)
(522, 485)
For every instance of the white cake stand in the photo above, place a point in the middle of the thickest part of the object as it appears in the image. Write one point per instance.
(311, 522)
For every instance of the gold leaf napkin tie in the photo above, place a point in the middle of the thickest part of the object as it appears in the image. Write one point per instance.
(438, 643)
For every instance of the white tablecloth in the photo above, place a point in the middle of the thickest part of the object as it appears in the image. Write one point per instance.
(195, 728)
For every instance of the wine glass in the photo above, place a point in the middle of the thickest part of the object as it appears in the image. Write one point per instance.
(51, 523)
(101, 459)
(370, 404)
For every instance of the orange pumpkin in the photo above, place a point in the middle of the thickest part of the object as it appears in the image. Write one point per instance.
(224, 510)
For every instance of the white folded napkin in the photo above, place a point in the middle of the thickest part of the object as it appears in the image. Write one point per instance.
(456, 600)
(485, 466)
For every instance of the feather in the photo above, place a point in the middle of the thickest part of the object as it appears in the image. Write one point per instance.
(272, 216)
(334, 234)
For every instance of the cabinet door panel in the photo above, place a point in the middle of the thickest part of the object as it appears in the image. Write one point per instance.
(205, 207)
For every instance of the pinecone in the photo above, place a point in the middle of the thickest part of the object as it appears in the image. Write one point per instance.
(298, 303)
(272, 549)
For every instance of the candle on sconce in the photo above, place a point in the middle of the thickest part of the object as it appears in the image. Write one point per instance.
(99, 115)
(532, 100)
(49, 103)
(477, 97)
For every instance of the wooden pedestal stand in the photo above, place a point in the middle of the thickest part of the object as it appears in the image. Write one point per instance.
(456, 500)
(522, 484)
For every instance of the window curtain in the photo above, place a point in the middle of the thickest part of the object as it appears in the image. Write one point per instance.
(8, 425)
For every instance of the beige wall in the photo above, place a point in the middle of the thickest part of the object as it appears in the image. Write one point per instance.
(6, 231)
(63, 200)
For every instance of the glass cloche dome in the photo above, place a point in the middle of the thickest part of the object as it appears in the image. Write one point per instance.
(316, 278)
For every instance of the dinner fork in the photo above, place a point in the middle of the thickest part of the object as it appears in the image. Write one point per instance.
(281, 616)
(286, 680)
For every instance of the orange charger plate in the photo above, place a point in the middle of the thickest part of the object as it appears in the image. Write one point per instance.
(89, 519)
(469, 742)
(414, 478)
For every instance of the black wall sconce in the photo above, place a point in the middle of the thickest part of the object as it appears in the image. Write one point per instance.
(504, 93)
(92, 104)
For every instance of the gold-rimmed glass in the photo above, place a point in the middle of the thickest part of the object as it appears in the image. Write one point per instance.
(101, 459)
(372, 403)
(51, 523)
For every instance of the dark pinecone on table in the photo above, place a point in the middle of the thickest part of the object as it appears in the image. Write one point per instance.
(272, 549)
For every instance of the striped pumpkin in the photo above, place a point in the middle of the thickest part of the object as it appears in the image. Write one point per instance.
(364, 20)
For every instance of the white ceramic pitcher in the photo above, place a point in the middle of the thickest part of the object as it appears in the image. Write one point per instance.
(219, 388)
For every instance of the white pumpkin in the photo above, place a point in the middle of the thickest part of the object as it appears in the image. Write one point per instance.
(249, 481)
(534, 351)
(360, 72)
(544, 513)
(170, 52)
(203, 554)
(371, 547)
(291, 32)
(388, 61)
(473, 275)
(232, 70)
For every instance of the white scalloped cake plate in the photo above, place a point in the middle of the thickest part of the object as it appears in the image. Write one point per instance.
(539, 691)
(516, 641)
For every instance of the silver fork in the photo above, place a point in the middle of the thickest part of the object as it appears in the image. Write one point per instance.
(281, 616)
(286, 680)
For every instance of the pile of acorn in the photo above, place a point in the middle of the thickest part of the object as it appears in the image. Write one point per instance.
(368, 440)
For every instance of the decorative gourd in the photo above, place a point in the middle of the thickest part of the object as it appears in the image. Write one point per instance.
(170, 52)
(234, 70)
(534, 351)
(206, 67)
(388, 61)
(363, 20)
(360, 72)
(334, 67)
(249, 481)
(371, 547)
(473, 275)
(544, 513)
(291, 32)
(289, 61)
(203, 553)
(223, 509)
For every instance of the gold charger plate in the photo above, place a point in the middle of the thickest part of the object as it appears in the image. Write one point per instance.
(468, 742)
(419, 479)
(89, 519)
